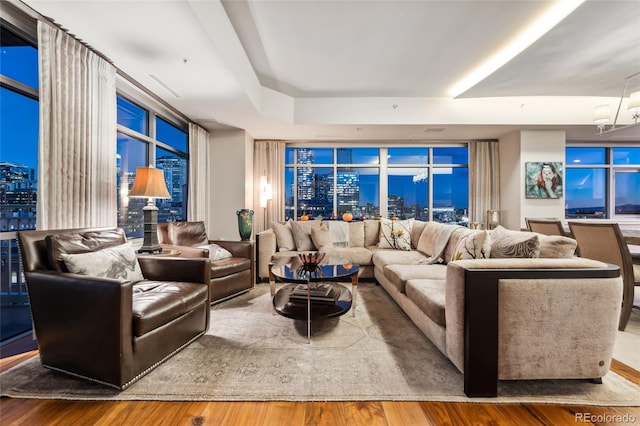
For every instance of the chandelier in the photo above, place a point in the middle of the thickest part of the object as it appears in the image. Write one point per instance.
(602, 114)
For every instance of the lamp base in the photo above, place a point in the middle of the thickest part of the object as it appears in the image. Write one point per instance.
(150, 242)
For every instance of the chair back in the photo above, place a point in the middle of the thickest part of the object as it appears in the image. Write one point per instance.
(546, 226)
(33, 248)
(605, 242)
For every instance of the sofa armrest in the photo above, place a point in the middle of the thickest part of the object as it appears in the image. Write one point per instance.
(472, 307)
(266, 247)
(193, 270)
(81, 321)
(236, 248)
(187, 251)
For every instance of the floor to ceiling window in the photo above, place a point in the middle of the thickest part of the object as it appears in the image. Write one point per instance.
(146, 138)
(18, 168)
(602, 182)
(422, 182)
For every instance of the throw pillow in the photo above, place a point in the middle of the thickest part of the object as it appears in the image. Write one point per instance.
(507, 243)
(556, 246)
(321, 238)
(119, 262)
(216, 252)
(395, 234)
(302, 236)
(284, 236)
(470, 245)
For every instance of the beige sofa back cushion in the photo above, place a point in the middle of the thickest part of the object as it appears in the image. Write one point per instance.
(371, 232)
(356, 234)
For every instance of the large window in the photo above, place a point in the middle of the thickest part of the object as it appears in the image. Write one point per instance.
(18, 171)
(146, 138)
(602, 182)
(428, 183)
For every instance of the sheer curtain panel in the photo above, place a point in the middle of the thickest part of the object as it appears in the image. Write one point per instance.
(77, 147)
(198, 203)
(269, 162)
(484, 177)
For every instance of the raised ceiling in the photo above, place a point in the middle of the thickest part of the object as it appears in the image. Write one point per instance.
(318, 70)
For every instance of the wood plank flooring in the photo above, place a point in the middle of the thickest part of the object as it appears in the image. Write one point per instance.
(371, 413)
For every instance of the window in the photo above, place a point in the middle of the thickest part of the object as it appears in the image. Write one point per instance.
(602, 182)
(144, 137)
(427, 183)
(18, 170)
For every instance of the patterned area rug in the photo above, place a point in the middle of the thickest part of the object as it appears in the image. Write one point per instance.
(252, 354)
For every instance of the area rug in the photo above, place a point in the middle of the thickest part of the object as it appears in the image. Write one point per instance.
(253, 354)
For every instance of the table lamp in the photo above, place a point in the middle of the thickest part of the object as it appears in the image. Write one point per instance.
(149, 183)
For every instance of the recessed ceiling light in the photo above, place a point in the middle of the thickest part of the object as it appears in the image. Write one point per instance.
(540, 26)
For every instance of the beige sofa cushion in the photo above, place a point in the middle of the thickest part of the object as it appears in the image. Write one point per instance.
(385, 257)
(357, 255)
(398, 275)
(371, 232)
(429, 296)
(356, 234)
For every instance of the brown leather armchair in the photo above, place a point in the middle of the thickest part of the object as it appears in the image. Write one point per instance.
(229, 277)
(106, 330)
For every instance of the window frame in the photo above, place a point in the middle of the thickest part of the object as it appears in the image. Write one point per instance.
(610, 170)
(383, 166)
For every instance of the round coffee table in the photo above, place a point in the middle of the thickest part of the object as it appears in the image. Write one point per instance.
(331, 269)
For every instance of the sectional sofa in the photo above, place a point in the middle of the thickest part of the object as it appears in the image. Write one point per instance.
(501, 304)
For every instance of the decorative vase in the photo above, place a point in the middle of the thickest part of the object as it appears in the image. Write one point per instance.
(245, 223)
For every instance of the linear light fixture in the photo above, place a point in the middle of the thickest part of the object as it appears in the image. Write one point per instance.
(164, 85)
(540, 26)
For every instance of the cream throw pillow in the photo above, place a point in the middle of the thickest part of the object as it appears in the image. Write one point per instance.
(302, 235)
(284, 236)
(321, 238)
(216, 252)
(119, 262)
(395, 234)
(507, 243)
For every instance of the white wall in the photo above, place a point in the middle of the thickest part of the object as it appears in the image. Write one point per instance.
(231, 162)
(516, 149)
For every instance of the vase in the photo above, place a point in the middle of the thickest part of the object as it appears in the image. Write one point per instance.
(245, 223)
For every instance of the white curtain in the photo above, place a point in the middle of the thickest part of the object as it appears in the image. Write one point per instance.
(269, 161)
(484, 176)
(77, 147)
(198, 202)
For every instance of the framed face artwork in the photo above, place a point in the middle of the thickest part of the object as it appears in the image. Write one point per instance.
(543, 179)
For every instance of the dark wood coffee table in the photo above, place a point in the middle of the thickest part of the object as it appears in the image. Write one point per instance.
(331, 269)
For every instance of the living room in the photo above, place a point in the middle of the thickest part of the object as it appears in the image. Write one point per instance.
(204, 52)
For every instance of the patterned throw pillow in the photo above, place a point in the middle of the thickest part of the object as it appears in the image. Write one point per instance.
(470, 246)
(119, 262)
(395, 234)
(507, 243)
(216, 252)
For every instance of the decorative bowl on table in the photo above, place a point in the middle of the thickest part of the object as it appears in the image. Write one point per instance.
(311, 260)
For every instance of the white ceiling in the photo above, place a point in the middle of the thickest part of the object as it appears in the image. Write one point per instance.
(368, 70)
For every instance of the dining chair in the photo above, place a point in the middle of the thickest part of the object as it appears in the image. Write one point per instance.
(549, 226)
(605, 242)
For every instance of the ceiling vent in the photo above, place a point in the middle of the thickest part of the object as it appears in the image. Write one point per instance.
(434, 129)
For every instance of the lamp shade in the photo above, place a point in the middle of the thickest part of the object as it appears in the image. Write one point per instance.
(634, 101)
(149, 183)
(601, 114)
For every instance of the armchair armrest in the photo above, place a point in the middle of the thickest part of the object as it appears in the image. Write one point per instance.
(266, 247)
(81, 322)
(187, 251)
(194, 270)
(237, 248)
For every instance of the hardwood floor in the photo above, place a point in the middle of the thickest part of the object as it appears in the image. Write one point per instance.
(15, 411)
